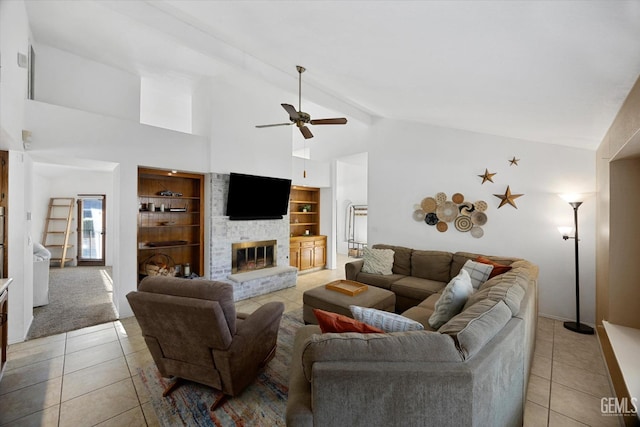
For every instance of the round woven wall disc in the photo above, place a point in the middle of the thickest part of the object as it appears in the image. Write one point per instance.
(447, 212)
(457, 198)
(442, 227)
(479, 218)
(428, 204)
(477, 232)
(463, 223)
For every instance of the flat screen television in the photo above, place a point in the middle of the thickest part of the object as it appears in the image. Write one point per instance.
(257, 197)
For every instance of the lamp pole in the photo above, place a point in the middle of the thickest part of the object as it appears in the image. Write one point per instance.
(577, 326)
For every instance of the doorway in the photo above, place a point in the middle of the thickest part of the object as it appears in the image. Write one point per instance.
(91, 229)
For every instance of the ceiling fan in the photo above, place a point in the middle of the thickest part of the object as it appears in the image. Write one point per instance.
(300, 118)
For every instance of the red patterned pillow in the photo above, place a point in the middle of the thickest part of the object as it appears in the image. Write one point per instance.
(497, 268)
(334, 322)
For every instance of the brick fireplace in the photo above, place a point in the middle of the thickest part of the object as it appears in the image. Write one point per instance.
(256, 279)
(250, 256)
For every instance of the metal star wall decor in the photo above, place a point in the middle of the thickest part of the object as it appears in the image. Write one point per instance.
(487, 176)
(514, 161)
(508, 198)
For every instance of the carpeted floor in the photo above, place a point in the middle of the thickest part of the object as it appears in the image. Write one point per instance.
(78, 297)
(261, 404)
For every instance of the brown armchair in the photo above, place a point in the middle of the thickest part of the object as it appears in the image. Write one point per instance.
(193, 333)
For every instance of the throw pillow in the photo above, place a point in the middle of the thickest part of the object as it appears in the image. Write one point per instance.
(378, 261)
(478, 272)
(334, 322)
(497, 268)
(388, 322)
(453, 298)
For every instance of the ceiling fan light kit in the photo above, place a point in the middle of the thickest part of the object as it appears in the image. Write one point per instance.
(299, 117)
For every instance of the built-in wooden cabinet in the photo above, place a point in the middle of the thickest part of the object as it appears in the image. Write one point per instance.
(170, 221)
(307, 247)
(308, 252)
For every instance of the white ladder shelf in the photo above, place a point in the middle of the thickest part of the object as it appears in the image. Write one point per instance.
(57, 227)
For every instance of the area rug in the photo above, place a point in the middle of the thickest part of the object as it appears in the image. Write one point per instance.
(78, 297)
(261, 404)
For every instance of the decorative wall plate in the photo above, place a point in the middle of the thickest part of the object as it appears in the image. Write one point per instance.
(457, 198)
(418, 215)
(463, 223)
(466, 208)
(479, 218)
(477, 232)
(428, 204)
(431, 218)
(441, 198)
(481, 205)
(442, 226)
(448, 211)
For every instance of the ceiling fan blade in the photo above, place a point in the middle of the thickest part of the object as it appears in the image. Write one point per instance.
(276, 124)
(293, 114)
(336, 121)
(306, 132)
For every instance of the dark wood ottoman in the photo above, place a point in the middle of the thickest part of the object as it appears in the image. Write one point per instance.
(337, 302)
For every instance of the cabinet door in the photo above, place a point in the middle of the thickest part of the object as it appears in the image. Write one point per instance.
(294, 257)
(306, 257)
(319, 256)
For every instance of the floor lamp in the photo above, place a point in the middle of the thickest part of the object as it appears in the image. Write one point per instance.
(575, 326)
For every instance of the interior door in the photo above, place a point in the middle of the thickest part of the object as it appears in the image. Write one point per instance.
(91, 229)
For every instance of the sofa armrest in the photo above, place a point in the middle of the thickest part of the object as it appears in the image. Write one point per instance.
(351, 269)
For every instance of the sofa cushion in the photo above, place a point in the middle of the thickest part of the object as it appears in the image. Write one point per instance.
(388, 322)
(401, 258)
(414, 346)
(459, 258)
(452, 300)
(334, 322)
(497, 267)
(378, 261)
(378, 280)
(432, 265)
(478, 272)
(416, 288)
(477, 325)
(519, 275)
(420, 314)
(506, 291)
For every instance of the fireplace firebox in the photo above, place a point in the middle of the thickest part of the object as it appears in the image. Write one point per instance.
(250, 256)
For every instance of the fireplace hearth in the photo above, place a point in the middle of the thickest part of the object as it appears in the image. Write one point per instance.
(251, 256)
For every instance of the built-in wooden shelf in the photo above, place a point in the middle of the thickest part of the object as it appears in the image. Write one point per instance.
(625, 342)
(157, 226)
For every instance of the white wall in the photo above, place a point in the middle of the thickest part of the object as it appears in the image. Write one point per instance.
(65, 79)
(408, 162)
(14, 39)
(236, 144)
(166, 103)
(74, 134)
(351, 189)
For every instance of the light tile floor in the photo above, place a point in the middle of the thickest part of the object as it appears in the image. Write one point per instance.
(89, 377)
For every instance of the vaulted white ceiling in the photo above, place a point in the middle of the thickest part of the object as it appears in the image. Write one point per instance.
(548, 71)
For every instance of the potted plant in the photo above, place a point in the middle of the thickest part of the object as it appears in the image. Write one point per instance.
(306, 208)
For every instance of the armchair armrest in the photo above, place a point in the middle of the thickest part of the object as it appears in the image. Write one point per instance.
(261, 319)
(351, 269)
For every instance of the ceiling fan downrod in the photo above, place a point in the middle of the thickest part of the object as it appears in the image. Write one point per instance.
(301, 70)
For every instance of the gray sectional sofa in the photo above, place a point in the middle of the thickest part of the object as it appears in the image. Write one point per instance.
(472, 371)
